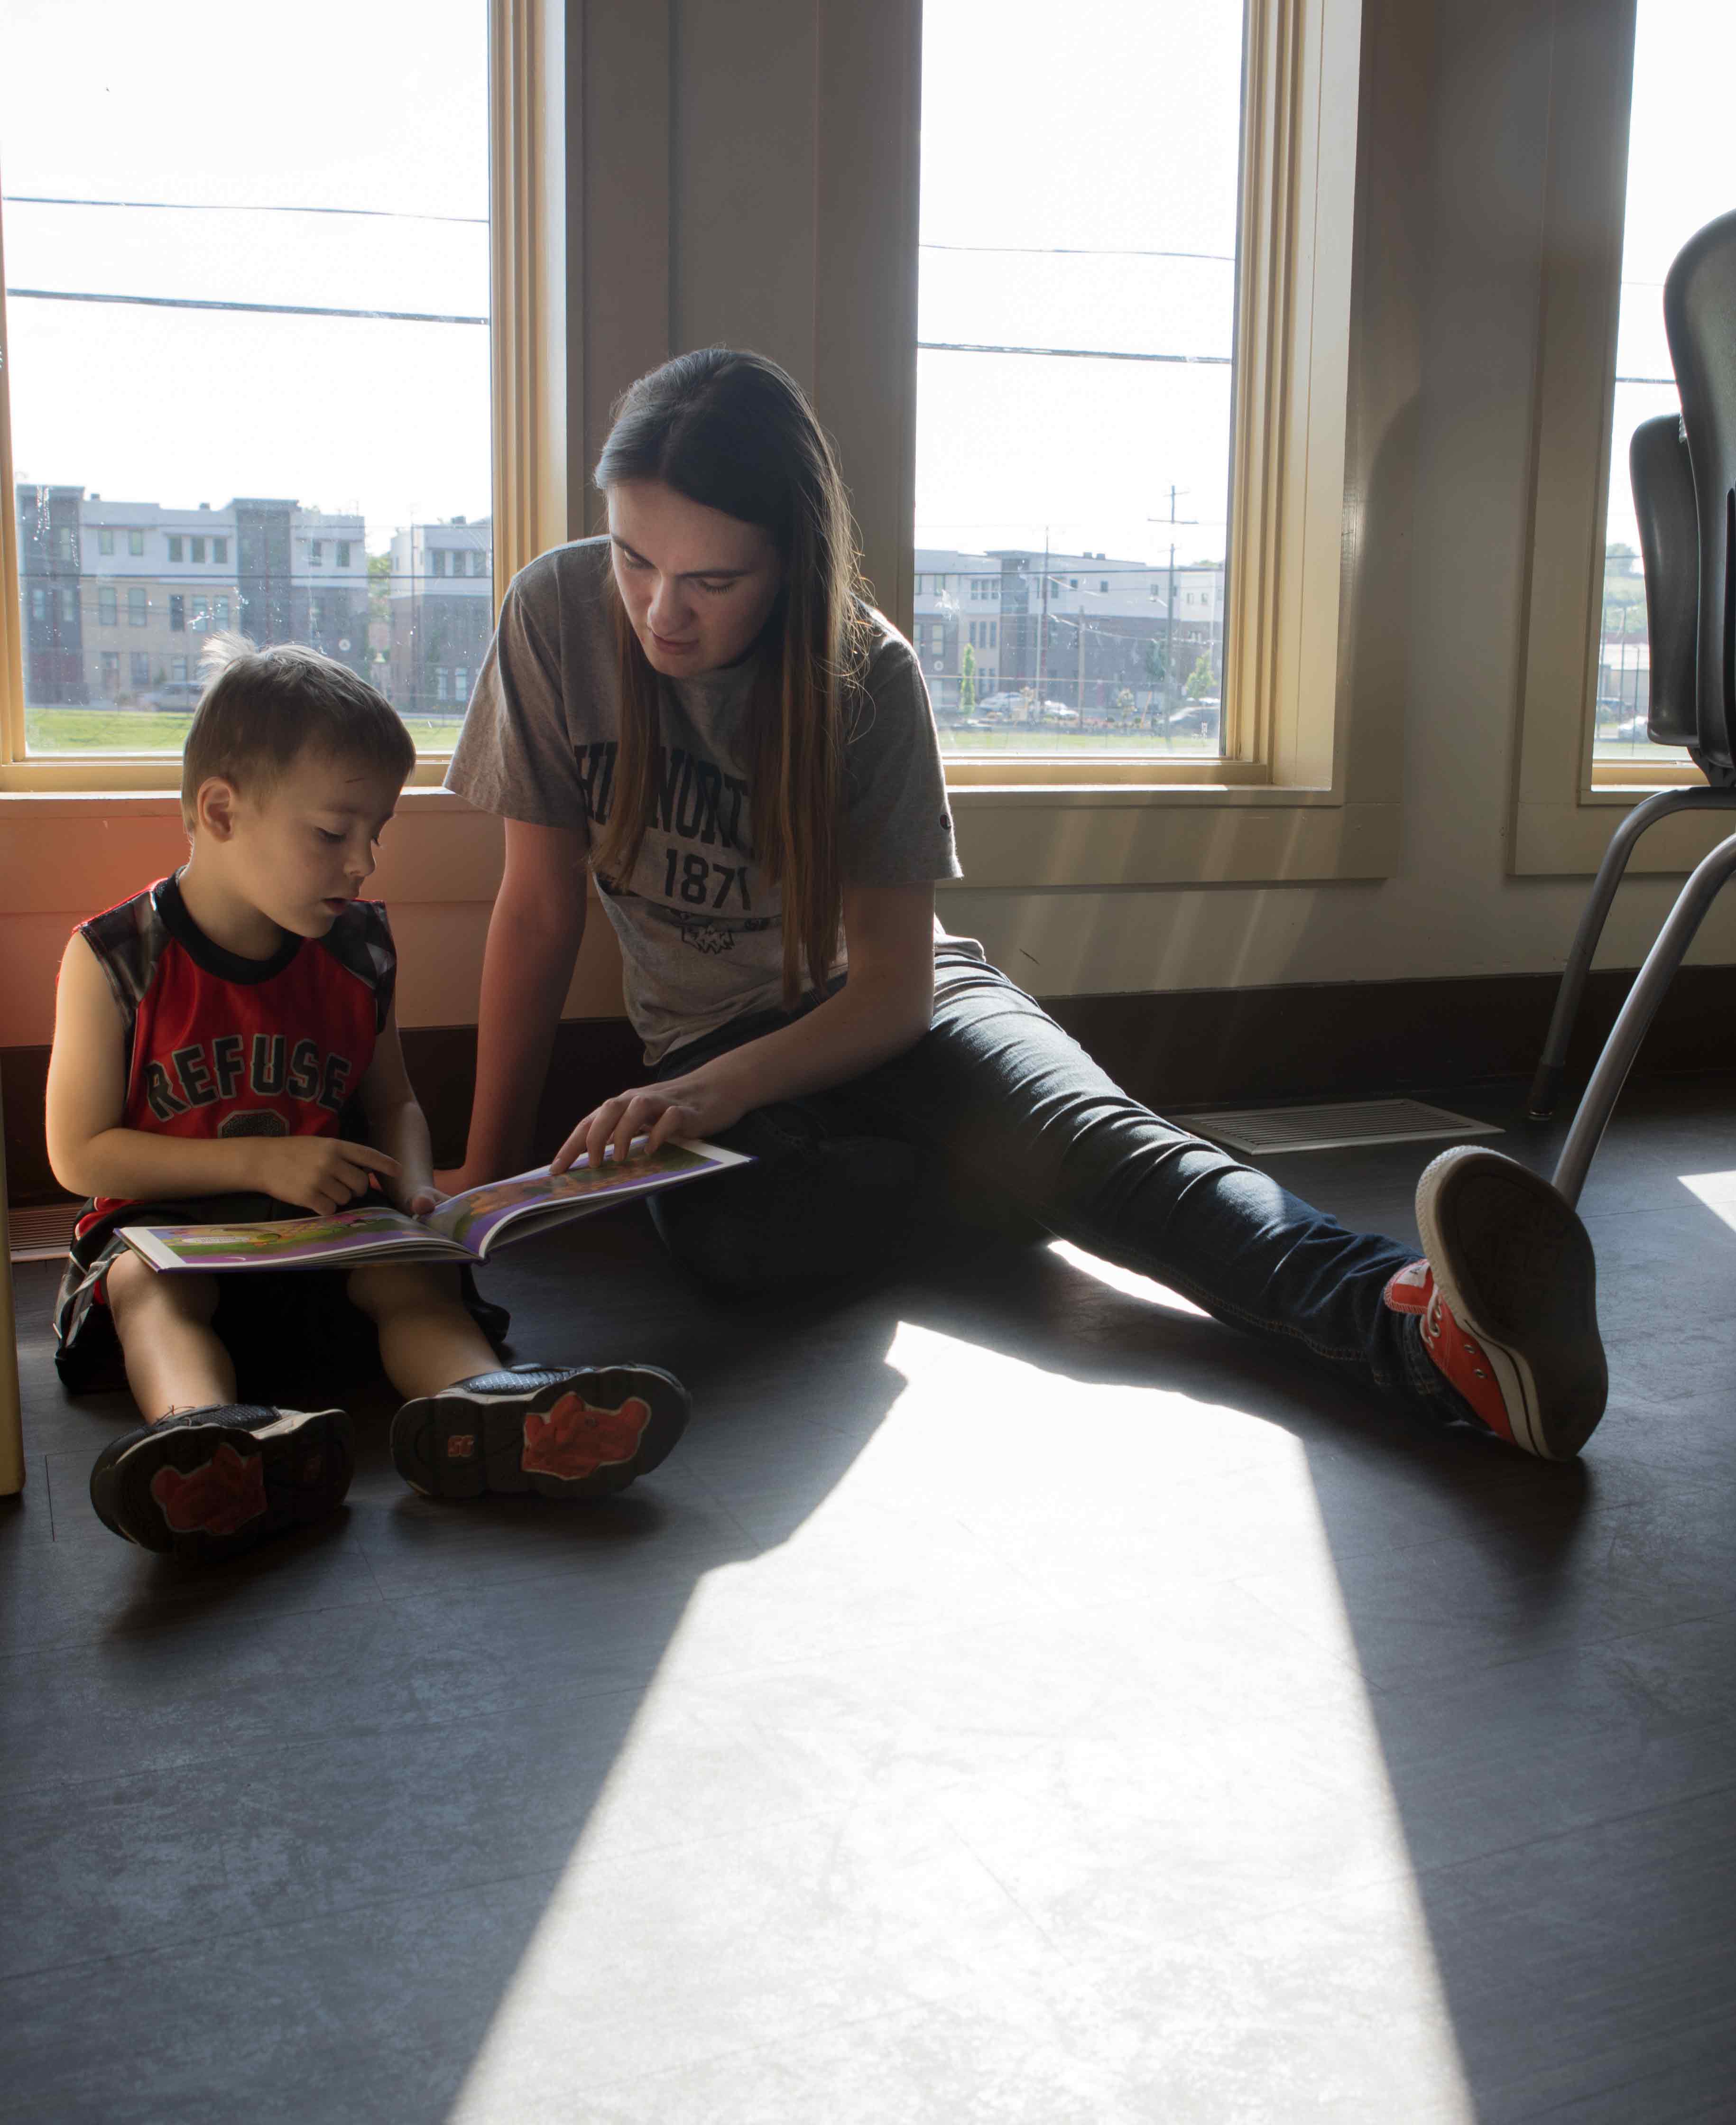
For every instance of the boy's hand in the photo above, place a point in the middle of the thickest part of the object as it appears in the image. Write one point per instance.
(322, 1173)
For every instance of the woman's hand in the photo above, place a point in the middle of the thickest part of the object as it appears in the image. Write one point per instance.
(694, 1105)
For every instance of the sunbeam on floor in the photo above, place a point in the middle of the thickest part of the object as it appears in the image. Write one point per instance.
(992, 1778)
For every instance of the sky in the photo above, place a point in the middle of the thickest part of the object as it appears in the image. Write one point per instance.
(1061, 149)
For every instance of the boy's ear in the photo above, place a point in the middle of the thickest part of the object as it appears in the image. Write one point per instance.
(213, 808)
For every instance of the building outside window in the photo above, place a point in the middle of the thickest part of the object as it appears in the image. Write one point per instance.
(138, 665)
(220, 552)
(198, 552)
(174, 548)
(223, 613)
(105, 542)
(110, 674)
(177, 612)
(343, 553)
(106, 615)
(137, 604)
(135, 544)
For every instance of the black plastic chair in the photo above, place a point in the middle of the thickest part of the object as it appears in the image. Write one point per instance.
(1684, 477)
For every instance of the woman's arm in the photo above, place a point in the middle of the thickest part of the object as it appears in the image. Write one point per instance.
(884, 1008)
(533, 936)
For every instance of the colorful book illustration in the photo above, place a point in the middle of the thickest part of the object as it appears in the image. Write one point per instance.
(465, 1228)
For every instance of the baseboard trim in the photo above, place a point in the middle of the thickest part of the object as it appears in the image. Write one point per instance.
(1190, 1048)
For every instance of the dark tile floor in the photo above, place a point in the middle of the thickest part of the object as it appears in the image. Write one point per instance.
(1019, 1698)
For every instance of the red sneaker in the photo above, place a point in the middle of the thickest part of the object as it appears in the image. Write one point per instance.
(555, 1430)
(211, 1482)
(1506, 1300)
(1486, 1376)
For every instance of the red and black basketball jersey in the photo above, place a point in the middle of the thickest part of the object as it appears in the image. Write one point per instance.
(218, 1045)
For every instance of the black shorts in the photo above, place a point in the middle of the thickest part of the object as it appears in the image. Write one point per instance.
(293, 1334)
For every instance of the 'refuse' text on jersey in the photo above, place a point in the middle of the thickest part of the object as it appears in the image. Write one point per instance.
(701, 925)
(221, 1046)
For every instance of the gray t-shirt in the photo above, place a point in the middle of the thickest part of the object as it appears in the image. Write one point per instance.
(700, 928)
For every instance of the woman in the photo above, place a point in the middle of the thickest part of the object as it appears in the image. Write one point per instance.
(703, 709)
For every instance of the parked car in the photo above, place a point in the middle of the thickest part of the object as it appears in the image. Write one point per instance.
(177, 696)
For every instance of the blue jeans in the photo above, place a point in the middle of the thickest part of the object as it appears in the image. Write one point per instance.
(1011, 1121)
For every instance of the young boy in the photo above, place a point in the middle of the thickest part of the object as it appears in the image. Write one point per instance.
(225, 1049)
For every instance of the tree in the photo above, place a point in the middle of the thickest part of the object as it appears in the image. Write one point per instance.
(1202, 680)
(967, 680)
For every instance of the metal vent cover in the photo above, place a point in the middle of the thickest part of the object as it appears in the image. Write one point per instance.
(1265, 1131)
(41, 1235)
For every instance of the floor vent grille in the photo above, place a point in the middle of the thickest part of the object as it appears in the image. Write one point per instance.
(1267, 1130)
(41, 1234)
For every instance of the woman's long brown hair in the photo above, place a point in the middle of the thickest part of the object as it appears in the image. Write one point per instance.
(732, 432)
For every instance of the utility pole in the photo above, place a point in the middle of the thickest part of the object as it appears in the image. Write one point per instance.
(1043, 629)
(1079, 704)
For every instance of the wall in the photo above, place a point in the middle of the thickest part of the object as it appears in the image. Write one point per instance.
(772, 204)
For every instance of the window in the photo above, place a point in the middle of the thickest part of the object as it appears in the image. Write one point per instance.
(1677, 180)
(277, 295)
(461, 684)
(223, 612)
(1120, 237)
(440, 682)
(1634, 173)
(177, 669)
(177, 612)
(68, 607)
(139, 669)
(105, 604)
(110, 673)
(39, 605)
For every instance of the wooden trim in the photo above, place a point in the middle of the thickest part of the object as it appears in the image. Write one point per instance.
(11, 620)
(1292, 369)
(527, 321)
(1192, 1048)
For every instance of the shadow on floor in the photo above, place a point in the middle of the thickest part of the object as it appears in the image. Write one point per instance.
(1018, 1698)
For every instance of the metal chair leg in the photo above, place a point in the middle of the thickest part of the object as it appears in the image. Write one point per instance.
(1546, 1085)
(1637, 1015)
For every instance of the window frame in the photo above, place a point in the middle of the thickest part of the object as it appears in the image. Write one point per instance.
(527, 86)
(1566, 802)
(1287, 722)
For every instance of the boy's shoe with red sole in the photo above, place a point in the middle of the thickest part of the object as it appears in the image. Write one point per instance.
(1506, 1300)
(208, 1483)
(558, 1431)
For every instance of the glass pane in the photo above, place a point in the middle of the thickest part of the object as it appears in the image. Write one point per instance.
(1678, 180)
(1076, 324)
(247, 294)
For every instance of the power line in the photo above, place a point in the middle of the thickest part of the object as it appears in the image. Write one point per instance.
(261, 309)
(233, 206)
(1070, 353)
(1079, 251)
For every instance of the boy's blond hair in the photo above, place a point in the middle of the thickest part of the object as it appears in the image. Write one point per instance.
(262, 708)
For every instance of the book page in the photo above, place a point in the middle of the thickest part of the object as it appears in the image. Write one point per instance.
(474, 1218)
(283, 1243)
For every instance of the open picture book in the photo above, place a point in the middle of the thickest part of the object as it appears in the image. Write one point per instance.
(465, 1229)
